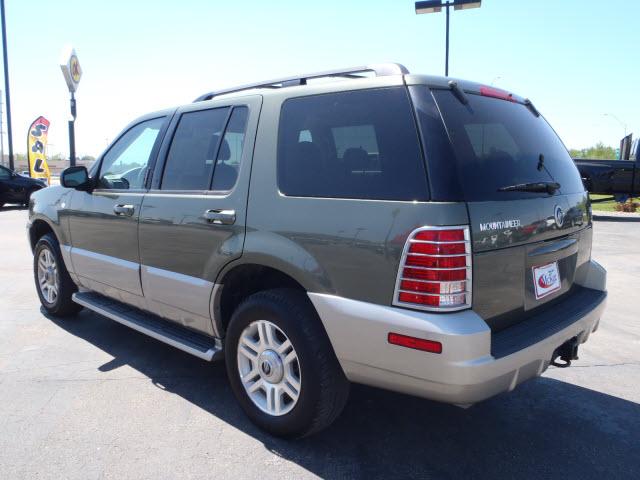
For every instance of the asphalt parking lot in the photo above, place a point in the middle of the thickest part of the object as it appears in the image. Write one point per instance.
(88, 398)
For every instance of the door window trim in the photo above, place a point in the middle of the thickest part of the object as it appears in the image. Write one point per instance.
(171, 138)
(152, 155)
(155, 186)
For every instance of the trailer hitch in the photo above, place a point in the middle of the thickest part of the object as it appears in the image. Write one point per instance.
(567, 352)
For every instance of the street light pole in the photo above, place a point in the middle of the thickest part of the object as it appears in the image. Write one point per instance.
(446, 58)
(72, 132)
(435, 6)
(624, 125)
(6, 85)
(72, 73)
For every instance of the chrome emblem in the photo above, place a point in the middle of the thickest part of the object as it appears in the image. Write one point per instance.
(558, 215)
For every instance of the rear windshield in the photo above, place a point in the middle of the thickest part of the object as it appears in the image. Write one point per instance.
(497, 143)
(359, 144)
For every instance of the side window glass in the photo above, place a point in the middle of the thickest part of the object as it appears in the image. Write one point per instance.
(360, 144)
(230, 153)
(4, 174)
(125, 165)
(192, 153)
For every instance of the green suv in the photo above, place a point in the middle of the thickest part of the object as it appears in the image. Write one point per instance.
(415, 233)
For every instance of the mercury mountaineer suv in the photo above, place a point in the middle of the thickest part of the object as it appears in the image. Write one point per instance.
(415, 233)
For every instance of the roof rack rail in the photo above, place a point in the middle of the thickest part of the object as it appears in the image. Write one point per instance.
(379, 69)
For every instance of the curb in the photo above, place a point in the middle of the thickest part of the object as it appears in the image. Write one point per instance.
(616, 216)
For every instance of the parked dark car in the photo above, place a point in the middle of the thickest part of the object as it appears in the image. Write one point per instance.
(14, 188)
(612, 177)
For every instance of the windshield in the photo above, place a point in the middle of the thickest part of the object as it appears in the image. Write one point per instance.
(497, 144)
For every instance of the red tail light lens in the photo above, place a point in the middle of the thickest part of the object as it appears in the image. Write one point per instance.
(435, 275)
(415, 343)
(437, 248)
(440, 235)
(435, 271)
(436, 262)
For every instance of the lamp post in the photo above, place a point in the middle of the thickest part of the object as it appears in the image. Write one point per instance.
(72, 73)
(6, 84)
(622, 124)
(435, 6)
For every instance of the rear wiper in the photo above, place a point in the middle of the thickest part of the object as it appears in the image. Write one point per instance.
(548, 187)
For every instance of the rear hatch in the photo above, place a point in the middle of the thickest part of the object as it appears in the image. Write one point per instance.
(528, 211)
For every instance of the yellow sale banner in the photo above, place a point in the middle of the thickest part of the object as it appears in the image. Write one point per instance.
(36, 145)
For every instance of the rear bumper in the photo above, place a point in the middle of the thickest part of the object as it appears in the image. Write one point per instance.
(466, 371)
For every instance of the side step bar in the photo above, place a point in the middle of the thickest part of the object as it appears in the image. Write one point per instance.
(195, 343)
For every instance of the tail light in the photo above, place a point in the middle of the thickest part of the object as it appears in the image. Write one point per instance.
(435, 270)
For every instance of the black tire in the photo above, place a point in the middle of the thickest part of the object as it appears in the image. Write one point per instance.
(62, 305)
(324, 388)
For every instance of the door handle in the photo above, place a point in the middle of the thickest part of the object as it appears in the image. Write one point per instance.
(123, 210)
(220, 217)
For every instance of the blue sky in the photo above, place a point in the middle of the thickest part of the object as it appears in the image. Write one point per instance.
(575, 59)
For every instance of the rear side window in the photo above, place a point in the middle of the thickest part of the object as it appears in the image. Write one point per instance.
(497, 143)
(193, 150)
(230, 153)
(356, 144)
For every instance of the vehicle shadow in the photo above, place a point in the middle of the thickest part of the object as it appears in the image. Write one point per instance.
(545, 429)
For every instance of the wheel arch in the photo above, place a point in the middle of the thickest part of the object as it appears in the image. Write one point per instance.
(38, 228)
(239, 280)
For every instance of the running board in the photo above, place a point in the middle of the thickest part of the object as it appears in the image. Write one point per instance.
(152, 325)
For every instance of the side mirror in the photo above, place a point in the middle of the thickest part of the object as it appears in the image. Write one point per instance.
(75, 177)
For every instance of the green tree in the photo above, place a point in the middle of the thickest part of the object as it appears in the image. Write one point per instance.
(599, 151)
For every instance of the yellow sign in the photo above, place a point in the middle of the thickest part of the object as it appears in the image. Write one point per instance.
(76, 71)
(36, 147)
(71, 69)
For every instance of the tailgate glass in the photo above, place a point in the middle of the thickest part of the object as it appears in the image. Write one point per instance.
(497, 143)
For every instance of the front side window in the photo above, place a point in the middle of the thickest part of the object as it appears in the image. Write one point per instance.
(4, 174)
(193, 150)
(359, 144)
(125, 165)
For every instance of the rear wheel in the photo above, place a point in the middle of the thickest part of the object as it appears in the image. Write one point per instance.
(53, 283)
(281, 365)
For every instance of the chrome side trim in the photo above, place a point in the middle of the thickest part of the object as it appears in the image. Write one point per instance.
(178, 297)
(190, 294)
(112, 271)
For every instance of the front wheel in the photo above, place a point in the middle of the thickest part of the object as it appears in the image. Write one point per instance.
(281, 365)
(53, 283)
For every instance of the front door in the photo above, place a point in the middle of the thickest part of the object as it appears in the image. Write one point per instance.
(10, 190)
(192, 221)
(104, 223)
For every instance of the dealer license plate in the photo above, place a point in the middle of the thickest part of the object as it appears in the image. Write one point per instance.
(546, 279)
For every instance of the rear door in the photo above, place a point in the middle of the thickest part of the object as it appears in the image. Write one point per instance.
(526, 245)
(192, 221)
(104, 222)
